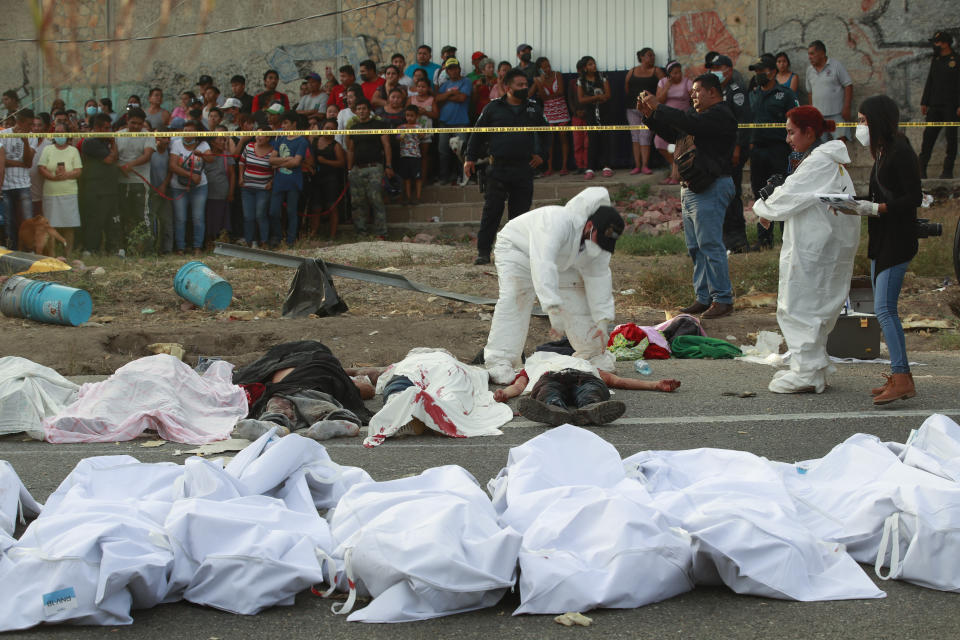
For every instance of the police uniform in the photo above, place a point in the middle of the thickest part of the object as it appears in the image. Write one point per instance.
(941, 96)
(769, 149)
(510, 177)
(734, 225)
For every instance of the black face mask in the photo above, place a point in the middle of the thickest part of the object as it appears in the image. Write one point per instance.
(521, 94)
(936, 50)
(525, 57)
(762, 79)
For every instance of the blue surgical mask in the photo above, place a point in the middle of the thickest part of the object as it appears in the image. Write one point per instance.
(92, 111)
(719, 75)
(60, 140)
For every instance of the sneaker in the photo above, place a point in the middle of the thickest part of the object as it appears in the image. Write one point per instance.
(599, 413)
(588, 175)
(607, 172)
(537, 411)
(482, 260)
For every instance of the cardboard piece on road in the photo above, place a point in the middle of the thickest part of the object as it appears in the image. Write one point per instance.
(231, 444)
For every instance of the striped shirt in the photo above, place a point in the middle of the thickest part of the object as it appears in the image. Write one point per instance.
(14, 177)
(257, 171)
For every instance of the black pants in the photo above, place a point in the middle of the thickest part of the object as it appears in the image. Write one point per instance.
(734, 225)
(570, 388)
(939, 114)
(100, 216)
(599, 150)
(766, 161)
(512, 184)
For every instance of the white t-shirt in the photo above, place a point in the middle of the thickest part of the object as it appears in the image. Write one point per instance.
(177, 149)
(342, 119)
(128, 150)
(14, 177)
(542, 362)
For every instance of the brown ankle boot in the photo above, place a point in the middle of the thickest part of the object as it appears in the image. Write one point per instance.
(878, 390)
(901, 387)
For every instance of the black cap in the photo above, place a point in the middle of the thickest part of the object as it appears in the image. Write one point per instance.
(766, 61)
(205, 79)
(609, 225)
(720, 61)
(942, 36)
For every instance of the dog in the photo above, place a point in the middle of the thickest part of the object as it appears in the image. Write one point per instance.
(456, 145)
(35, 233)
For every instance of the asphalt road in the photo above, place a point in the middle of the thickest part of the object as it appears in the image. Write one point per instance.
(788, 428)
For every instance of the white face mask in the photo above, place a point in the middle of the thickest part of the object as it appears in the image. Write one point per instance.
(863, 135)
(719, 75)
(592, 249)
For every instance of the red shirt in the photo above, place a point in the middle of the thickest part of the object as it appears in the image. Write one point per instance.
(370, 87)
(336, 96)
(262, 101)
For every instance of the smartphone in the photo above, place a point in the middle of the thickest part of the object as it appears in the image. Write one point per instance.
(61, 165)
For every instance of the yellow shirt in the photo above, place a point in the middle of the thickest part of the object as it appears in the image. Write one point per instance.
(70, 158)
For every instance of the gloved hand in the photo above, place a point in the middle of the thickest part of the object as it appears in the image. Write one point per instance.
(556, 322)
(859, 208)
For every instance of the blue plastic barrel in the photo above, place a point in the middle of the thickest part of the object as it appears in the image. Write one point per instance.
(199, 284)
(48, 302)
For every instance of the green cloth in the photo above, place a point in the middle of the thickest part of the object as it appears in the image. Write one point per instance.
(624, 349)
(703, 347)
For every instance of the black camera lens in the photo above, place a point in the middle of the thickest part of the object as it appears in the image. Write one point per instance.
(926, 229)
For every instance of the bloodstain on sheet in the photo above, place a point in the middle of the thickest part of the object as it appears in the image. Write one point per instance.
(438, 415)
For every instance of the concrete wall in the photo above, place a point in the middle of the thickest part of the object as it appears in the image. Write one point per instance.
(76, 72)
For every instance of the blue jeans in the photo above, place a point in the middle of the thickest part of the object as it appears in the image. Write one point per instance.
(196, 200)
(886, 292)
(255, 215)
(703, 215)
(292, 197)
(18, 207)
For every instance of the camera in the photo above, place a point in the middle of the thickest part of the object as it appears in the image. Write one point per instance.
(773, 182)
(925, 228)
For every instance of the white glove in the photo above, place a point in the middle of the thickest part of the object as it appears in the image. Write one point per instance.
(556, 322)
(859, 208)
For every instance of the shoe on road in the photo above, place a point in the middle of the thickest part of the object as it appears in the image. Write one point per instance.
(717, 310)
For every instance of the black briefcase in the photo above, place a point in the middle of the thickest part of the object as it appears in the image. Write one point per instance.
(855, 337)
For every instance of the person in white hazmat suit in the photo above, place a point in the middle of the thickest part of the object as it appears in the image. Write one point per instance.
(560, 255)
(816, 261)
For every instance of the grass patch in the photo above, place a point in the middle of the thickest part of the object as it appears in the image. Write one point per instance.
(949, 341)
(641, 244)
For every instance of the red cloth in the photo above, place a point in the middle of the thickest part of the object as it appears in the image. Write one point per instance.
(370, 87)
(262, 101)
(634, 334)
(253, 390)
(336, 96)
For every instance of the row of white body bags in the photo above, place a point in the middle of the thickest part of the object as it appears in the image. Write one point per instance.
(894, 514)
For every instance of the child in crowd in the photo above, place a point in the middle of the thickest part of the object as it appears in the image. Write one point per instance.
(410, 167)
(220, 185)
(427, 109)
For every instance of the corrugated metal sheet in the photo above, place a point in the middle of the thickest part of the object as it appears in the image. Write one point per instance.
(563, 30)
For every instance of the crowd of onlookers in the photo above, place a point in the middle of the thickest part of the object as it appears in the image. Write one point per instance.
(146, 193)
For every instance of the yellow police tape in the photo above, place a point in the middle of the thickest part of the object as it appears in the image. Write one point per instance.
(430, 130)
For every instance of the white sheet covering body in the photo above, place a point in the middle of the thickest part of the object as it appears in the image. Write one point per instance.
(15, 503)
(448, 396)
(423, 547)
(30, 392)
(157, 392)
(118, 534)
(746, 532)
(886, 512)
(816, 262)
(590, 536)
(541, 362)
(540, 255)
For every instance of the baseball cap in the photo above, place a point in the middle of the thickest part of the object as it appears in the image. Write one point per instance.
(942, 36)
(521, 47)
(766, 61)
(721, 61)
(314, 76)
(205, 79)
(276, 108)
(232, 102)
(477, 55)
(451, 62)
(609, 225)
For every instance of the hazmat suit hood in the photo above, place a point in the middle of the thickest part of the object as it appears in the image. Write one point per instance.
(816, 262)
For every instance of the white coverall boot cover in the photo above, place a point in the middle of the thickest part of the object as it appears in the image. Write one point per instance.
(816, 263)
(532, 251)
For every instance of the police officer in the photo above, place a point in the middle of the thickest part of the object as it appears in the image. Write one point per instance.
(735, 95)
(940, 102)
(769, 102)
(513, 157)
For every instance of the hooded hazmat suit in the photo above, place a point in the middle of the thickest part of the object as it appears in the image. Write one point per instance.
(816, 263)
(541, 255)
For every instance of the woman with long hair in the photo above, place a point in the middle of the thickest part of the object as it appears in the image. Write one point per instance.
(548, 87)
(593, 93)
(786, 77)
(895, 194)
(643, 77)
(673, 90)
(819, 246)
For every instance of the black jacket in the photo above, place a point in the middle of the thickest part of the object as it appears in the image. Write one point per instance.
(943, 82)
(895, 180)
(735, 95)
(771, 106)
(714, 131)
(518, 146)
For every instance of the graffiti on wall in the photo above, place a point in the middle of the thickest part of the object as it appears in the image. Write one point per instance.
(696, 34)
